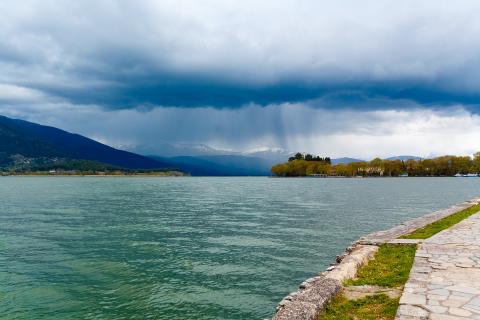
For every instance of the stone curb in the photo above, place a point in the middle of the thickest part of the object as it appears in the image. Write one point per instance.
(309, 300)
(314, 294)
(347, 268)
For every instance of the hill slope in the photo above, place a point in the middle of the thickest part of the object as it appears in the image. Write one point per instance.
(221, 165)
(20, 138)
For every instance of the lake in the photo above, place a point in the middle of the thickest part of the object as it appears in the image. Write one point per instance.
(188, 248)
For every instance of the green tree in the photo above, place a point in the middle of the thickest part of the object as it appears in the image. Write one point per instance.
(476, 162)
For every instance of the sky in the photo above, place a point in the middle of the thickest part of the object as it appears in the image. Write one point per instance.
(334, 78)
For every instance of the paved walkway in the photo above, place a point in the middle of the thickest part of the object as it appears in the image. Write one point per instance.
(444, 283)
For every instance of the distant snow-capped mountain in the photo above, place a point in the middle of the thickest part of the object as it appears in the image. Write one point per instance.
(166, 149)
(203, 160)
(274, 154)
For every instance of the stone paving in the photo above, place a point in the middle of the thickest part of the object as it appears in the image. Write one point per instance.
(444, 282)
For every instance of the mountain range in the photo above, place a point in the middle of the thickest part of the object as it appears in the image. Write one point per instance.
(29, 145)
(221, 165)
(32, 142)
(404, 158)
(23, 142)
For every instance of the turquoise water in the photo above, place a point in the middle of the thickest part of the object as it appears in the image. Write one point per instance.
(187, 248)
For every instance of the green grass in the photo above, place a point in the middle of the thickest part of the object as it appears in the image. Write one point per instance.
(390, 267)
(442, 224)
(376, 307)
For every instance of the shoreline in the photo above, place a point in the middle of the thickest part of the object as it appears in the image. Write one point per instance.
(119, 174)
(315, 293)
(95, 175)
(187, 175)
(370, 177)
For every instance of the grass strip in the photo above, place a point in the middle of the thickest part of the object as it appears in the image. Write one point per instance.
(376, 307)
(390, 267)
(442, 224)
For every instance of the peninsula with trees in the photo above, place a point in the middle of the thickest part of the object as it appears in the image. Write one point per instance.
(307, 165)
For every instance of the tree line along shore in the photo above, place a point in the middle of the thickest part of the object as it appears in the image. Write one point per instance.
(74, 167)
(303, 165)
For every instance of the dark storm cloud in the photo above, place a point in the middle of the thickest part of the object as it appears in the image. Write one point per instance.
(187, 92)
(227, 54)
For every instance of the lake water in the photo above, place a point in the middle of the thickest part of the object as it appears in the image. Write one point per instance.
(187, 248)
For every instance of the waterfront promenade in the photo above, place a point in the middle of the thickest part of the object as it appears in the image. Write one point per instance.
(444, 283)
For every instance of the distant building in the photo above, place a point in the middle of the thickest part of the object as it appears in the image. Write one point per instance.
(318, 175)
(468, 175)
(375, 171)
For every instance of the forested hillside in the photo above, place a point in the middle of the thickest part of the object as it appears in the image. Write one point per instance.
(28, 145)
